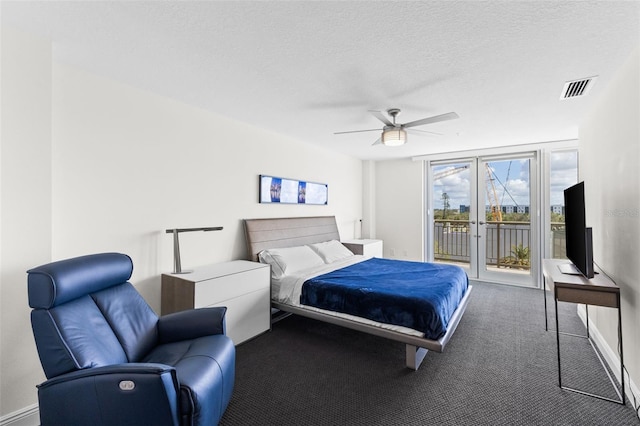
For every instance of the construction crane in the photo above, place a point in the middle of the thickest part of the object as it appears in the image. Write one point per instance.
(492, 196)
(449, 172)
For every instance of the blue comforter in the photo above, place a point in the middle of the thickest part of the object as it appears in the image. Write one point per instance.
(418, 295)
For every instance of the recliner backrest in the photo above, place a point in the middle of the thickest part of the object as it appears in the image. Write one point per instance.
(131, 319)
(86, 314)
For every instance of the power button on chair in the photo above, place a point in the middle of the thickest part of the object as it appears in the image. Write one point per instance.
(127, 385)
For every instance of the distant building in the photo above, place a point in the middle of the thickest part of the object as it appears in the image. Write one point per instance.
(522, 209)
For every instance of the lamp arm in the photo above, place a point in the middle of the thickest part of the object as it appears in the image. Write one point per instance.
(211, 228)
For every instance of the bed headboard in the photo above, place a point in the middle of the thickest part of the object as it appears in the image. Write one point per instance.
(263, 234)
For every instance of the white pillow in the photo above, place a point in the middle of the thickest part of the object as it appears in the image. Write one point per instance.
(330, 251)
(286, 261)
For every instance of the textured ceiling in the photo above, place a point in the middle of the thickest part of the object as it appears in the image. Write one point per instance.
(309, 69)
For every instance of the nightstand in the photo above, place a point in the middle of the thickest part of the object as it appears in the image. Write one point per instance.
(243, 287)
(371, 248)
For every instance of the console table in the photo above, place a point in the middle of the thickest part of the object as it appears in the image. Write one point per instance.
(598, 291)
(242, 286)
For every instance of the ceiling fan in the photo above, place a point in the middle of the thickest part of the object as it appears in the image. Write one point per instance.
(394, 134)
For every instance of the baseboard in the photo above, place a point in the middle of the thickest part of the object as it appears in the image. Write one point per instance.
(611, 358)
(28, 416)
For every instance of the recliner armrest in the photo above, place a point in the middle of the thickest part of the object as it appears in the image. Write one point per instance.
(136, 393)
(191, 324)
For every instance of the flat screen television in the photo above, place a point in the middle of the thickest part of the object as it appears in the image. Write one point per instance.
(579, 243)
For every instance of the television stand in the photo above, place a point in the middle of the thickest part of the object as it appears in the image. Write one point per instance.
(598, 291)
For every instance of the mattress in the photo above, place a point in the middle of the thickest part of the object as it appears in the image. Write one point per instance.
(417, 295)
(288, 290)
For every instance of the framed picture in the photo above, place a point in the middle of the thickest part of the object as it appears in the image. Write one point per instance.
(289, 191)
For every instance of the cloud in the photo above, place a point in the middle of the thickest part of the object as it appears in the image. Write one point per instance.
(457, 185)
(564, 160)
(516, 192)
(563, 174)
(511, 181)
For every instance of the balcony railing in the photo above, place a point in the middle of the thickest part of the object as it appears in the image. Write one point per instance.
(507, 243)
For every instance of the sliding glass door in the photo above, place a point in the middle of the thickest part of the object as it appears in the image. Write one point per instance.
(481, 216)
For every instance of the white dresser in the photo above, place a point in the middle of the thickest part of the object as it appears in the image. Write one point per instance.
(365, 247)
(242, 286)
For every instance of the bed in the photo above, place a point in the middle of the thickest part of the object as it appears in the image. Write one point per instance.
(313, 275)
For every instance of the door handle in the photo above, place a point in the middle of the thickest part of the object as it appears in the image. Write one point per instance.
(481, 222)
(473, 222)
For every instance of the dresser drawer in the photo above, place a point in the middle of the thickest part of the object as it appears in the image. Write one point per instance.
(247, 315)
(217, 290)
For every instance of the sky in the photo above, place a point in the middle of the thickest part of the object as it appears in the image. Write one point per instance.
(510, 178)
(564, 173)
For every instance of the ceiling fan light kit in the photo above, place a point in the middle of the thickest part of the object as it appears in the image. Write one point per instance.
(395, 136)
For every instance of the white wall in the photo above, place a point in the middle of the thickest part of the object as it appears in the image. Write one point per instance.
(368, 225)
(25, 209)
(399, 203)
(148, 163)
(609, 156)
(117, 167)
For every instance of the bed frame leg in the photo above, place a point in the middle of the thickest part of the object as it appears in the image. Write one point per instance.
(415, 355)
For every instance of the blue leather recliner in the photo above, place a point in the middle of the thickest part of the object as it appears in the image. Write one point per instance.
(110, 360)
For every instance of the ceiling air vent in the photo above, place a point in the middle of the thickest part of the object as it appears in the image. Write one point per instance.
(577, 88)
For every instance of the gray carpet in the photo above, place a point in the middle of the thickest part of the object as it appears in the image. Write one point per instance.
(500, 368)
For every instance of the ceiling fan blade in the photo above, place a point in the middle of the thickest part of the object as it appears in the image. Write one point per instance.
(380, 116)
(357, 131)
(424, 131)
(378, 142)
(434, 119)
